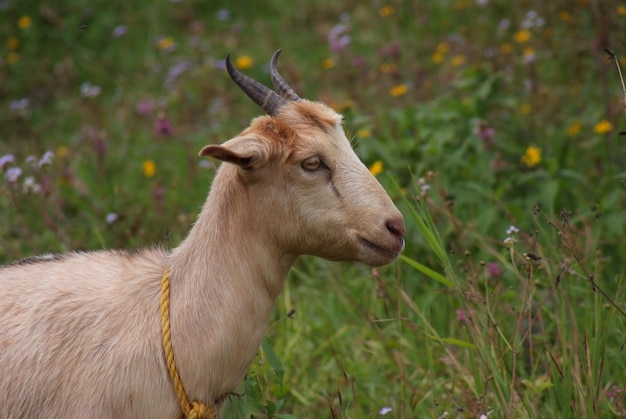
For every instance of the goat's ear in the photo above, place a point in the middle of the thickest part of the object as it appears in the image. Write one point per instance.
(246, 152)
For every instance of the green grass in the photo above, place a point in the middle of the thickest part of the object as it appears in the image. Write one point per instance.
(450, 96)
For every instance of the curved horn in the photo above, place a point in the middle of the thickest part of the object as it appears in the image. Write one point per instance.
(279, 83)
(262, 95)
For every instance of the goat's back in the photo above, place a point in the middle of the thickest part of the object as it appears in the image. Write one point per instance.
(81, 323)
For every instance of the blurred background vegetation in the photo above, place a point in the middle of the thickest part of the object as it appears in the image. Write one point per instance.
(494, 125)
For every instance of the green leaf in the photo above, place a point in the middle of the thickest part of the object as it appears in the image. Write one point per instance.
(243, 406)
(452, 341)
(427, 271)
(271, 357)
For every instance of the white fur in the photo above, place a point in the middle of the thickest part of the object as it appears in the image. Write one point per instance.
(80, 333)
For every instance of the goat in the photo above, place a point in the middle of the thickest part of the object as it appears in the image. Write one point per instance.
(80, 332)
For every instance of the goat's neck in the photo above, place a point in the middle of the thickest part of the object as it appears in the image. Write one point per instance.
(225, 277)
(229, 245)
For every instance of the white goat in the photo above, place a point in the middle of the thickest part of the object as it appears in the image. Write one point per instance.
(80, 333)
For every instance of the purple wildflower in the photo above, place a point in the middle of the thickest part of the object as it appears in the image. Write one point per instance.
(460, 316)
(162, 125)
(338, 39)
(32, 160)
(359, 61)
(613, 393)
(220, 64)
(119, 31)
(175, 72)
(13, 174)
(384, 410)
(145, 107)
(494, 270)
(223, 14)
(485, 132)
(19, 105)
(6, 160)
(46, 158)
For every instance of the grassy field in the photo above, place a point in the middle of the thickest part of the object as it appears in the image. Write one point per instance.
(494, 125)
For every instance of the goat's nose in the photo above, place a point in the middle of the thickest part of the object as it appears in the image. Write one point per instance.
(396, 227)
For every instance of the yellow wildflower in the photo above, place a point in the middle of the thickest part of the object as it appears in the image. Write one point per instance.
(462, 4)
(398, 90)
(328, 63)
(376, 168)
(387, 68)
(62, 151)
(603, 127)
(13, 43)
(506, 48)
(342, 107)
(13, 57)
(621, 10)
(565, 16)
(443, 47)
(24, 22)
(165, 43)
(149, 168)
(364, 133)
(243, 62)
(532, 157)
(574, 129)
(386, 11)
(458, 60)
(522, 36)
(525, 108)
(437, 57)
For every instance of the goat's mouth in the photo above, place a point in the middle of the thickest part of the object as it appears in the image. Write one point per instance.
(388, 253)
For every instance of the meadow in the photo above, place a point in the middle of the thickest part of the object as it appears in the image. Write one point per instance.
(497, 127)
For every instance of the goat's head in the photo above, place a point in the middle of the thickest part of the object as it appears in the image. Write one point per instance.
(304, 181)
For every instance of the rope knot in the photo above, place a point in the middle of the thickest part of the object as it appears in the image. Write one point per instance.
(201, 411)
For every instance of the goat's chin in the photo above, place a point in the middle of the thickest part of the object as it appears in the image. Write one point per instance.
(375, 254)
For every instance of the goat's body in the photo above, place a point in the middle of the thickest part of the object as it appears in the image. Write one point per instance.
(73, 336)
(85, 327)
(80, 334)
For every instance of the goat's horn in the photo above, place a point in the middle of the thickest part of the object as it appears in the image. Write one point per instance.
(262, 95)
(281, 86)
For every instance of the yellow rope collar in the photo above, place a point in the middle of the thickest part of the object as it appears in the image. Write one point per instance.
(195, 410)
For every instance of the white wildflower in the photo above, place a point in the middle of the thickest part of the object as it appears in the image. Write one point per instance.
(30, 186)
(384, 410)
(512, 230)
(88, 90)
(509, 241)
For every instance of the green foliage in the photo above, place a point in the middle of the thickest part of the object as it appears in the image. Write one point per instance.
(481, 114)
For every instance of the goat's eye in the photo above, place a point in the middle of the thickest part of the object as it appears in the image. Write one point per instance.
(312, 163)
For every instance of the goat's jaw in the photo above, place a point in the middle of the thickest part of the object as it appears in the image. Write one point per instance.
(375, 253)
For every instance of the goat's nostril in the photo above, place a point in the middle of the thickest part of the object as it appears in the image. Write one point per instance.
(396, 227)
